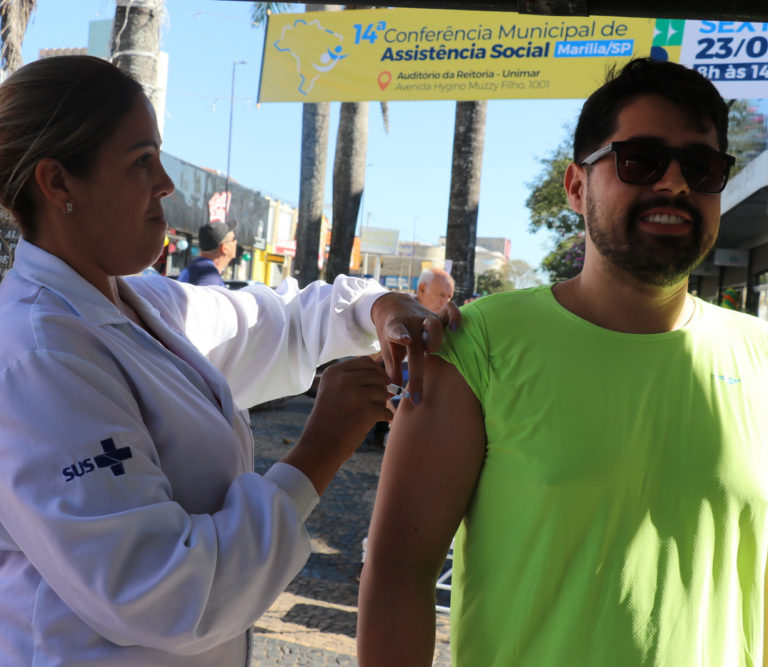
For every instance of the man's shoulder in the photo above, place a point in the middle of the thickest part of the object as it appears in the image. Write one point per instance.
(200, 264)
(202, 271)
(502, 305)
(501, 299)
(733, 330)
(724, 317)
(490, 320)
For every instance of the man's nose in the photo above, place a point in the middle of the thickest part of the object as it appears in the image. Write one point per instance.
(673, 179)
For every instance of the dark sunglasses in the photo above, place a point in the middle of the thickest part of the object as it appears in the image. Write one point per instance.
(642, 162)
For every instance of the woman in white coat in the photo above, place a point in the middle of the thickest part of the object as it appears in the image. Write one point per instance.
(132, 530)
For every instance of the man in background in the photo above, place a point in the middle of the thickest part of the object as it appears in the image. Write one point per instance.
(434, 289)
(218, 248)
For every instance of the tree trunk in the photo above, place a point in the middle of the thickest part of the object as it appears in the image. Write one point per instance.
(314, 156)
(9, 237)
(348, 182)
(461, 233)
(135, 42)
(14, 18)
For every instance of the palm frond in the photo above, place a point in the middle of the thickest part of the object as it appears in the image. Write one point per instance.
(261, 10)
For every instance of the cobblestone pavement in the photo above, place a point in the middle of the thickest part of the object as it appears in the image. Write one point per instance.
(312, 624)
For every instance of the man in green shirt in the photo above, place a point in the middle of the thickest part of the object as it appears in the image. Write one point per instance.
(601, 444)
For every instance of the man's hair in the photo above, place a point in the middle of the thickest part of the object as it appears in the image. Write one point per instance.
(681, 86)
(428, 275)
(212, 234)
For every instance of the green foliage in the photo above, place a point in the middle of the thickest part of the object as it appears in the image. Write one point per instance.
(547, 202)
(747, 133)
(550, 210)
(521, 274)
(260, 10)
(567, 259)
(515, 274)
(491, 282)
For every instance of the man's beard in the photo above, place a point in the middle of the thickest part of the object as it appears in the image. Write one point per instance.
(656, 260)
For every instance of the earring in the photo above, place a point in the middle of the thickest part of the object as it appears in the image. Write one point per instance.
(67, 208)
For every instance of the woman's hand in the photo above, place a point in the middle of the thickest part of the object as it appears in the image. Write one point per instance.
(404, 326)
(351, 398)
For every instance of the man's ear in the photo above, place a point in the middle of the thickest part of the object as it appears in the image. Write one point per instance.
(51, 179)
(575, 183)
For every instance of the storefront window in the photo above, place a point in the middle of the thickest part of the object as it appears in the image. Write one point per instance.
(762, 295)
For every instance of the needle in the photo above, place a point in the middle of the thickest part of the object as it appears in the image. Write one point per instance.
(397, 390)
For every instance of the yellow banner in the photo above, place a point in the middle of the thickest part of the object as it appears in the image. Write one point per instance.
(420, 54)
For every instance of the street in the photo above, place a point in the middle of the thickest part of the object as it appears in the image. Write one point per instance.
(312, 624)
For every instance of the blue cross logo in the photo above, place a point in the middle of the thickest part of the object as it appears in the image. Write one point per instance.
(113, 457)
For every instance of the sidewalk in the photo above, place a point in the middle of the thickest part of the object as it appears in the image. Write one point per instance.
(313, 623)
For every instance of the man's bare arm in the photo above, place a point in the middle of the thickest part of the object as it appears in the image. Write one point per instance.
(765, 618)
(433, 457)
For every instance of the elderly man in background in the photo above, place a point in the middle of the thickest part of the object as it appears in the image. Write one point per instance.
(434, 289)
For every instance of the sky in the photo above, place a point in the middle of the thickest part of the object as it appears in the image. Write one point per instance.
(408, 168)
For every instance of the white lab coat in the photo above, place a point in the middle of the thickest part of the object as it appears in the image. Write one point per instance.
(132, 528)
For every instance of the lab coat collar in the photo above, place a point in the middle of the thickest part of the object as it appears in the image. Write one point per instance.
(42, 268)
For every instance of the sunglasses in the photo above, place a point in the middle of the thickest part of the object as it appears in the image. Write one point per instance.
(643, 162)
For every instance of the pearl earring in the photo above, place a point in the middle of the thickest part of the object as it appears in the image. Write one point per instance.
(67, 208)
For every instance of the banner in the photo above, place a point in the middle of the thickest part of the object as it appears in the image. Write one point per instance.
(421, 54)
(731, 54)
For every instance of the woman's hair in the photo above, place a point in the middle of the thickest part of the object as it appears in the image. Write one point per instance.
(63, 108)
(683, 87)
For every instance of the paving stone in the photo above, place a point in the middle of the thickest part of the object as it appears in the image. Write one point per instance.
(313, 623)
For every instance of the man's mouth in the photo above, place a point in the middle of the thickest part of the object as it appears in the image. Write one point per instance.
(664, 216)
(664, 224)
(664, 219)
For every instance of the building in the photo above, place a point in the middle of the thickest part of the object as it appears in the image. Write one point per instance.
(265, 231)
(740, 258)
(398, 264)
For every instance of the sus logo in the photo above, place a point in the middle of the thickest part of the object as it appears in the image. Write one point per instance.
(315, 50)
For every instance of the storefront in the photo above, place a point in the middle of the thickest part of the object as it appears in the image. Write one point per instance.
(740, 258)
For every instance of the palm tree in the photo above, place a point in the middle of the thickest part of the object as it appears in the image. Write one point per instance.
(349, 177)
(14, 17)
(135, 43)
(348, 174)
(348, 183)
(461, 233)
(315, 123)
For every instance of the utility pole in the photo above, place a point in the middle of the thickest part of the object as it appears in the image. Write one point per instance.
(235, 63)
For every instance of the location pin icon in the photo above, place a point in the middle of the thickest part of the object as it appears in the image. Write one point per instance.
(384, 78)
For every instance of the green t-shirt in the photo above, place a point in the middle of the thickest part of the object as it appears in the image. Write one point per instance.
(620, 515)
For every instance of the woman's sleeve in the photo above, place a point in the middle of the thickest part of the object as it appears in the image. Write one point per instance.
(84, 497)
(268, 342)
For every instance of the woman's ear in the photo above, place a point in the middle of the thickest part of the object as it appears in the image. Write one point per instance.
(575, 186)
(51, 179)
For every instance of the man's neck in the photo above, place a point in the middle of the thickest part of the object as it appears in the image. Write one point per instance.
(625, 305)
(219, 260)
